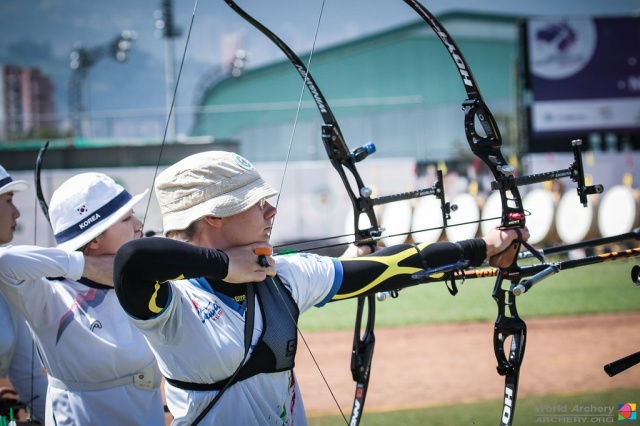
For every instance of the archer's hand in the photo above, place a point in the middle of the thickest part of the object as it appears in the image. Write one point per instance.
(244, 265)
(502, 246)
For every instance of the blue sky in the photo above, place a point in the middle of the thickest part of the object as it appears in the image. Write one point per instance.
(60, 23)
(41, 33)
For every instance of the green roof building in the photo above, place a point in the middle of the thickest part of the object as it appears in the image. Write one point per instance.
(399, 89)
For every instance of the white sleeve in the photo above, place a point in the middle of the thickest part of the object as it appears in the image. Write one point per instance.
(311, 278)
(25, 371)
(21, 263)
(8, 337)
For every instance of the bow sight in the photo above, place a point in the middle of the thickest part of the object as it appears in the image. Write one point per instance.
(575, 171)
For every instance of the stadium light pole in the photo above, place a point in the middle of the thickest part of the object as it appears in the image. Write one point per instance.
(166, 28)
(82, 59)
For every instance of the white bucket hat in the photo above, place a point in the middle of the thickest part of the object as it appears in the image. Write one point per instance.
(9, 185)
(213, 183)
(85, 206)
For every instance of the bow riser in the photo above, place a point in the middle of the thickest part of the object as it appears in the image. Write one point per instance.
(342, 159)
(487, 146)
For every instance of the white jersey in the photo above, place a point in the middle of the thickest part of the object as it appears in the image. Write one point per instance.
(199, 338)
(19, 360)
(8, 337)
(88, 346)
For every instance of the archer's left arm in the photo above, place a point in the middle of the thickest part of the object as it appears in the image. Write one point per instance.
(391, 268)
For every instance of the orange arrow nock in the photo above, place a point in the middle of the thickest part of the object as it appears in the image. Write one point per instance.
(263, 251)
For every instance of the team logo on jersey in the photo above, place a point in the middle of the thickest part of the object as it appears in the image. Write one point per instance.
(211, 311)
(95, 324)
(83, 302)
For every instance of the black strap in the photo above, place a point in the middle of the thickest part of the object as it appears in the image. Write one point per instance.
(190, 386)
(248, 335)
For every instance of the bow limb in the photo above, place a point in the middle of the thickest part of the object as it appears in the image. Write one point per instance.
(485, 141)
(342, 159)
(39, 194)
(45, 210)
(486, 144)
(340, 156)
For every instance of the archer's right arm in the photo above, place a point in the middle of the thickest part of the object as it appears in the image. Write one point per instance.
(142, 268)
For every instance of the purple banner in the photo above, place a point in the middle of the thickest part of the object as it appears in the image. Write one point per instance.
(584, 74)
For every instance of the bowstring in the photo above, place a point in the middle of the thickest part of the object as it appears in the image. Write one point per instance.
(295, 121)
(288, 156)
(32, 379)
(373, 239)
(164, 138)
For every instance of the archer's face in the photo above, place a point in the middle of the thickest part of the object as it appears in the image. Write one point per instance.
(8, 215)
(126, 229)
(251, 226)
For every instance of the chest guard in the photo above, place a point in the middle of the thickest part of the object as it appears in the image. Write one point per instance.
(276, 348)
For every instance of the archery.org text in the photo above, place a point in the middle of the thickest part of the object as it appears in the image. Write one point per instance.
(564, 413)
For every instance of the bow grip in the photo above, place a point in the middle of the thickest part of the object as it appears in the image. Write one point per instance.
(507, 258)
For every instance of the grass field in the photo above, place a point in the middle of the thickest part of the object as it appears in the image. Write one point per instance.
(600, 288)
(601, 408)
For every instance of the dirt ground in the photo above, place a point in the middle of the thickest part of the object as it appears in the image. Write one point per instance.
(444, 364)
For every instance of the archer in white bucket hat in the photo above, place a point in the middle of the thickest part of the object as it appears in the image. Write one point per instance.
(212, 183)
(212, 290)
(85, 206)
(9, 185)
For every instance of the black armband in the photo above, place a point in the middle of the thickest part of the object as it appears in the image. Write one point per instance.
(474, 250)
(141, 267)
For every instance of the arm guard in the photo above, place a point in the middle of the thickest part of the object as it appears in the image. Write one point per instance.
(391, 268)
